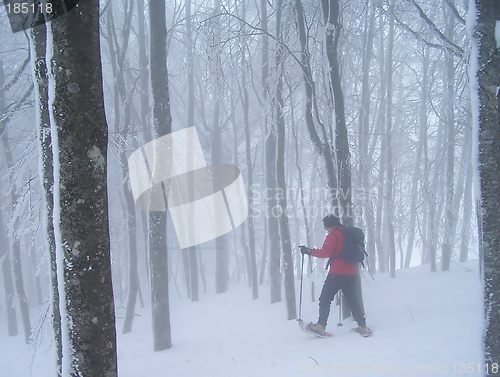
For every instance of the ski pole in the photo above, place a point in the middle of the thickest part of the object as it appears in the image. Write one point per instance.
(300, 294)
(339, 298)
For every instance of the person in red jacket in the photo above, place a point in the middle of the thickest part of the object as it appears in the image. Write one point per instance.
(342, 275)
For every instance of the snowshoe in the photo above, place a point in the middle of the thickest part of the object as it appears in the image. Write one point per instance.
(363, 331)
(317, 330)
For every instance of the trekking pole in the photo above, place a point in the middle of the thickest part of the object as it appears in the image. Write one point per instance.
(300, 294)
(339, 298)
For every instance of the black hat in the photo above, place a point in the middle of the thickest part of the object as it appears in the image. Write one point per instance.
(330, 221)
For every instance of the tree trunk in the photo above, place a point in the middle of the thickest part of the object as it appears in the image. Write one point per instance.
(5, 252)
(331, 15)
(221, 252)
(390, 161)
(283, 217)
(193, 261)
(271, 182)
(145, 109)
(248, 155)
(162, 123)
(487, 124)
(14, 241)
(364, 128)
(449, 116)
(79, 146)
(324, 144)
(467, 216)
(38, 40)
(8, 282)
(381, 252)
(118, 55)
(417, 175)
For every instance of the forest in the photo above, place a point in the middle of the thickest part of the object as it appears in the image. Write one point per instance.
(382, 112)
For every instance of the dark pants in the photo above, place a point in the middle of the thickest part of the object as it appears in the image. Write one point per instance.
(333, 284)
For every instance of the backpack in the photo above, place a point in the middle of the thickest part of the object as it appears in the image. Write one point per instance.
(354, 247)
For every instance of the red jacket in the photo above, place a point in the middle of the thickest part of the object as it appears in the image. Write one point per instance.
(334, 243)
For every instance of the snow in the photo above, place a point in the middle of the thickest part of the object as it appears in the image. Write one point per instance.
(474, 95)
(497, 33)
(67, 350)
(423, 323)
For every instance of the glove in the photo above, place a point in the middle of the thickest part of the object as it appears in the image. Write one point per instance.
(305, 250)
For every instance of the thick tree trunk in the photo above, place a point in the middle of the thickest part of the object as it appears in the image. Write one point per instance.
(162, 123)
(488, 80)
(79, 143)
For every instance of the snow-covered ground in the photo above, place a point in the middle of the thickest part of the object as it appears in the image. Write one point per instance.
(423, 323)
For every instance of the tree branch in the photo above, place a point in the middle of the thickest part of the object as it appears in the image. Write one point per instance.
(18, 73)
(455, 12)
(11, 110)
(422, 39)
(452, 47)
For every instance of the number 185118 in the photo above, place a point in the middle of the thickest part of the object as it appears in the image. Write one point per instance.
(26, 8)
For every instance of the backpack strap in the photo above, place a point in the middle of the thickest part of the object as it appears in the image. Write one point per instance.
(330, 260)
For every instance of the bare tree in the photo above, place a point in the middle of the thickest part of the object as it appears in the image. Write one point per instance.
(79, 140)
(14, 239)
(280, 172)
(422, 143)
(38, 39)
(248, 158)
(487, 77)
(364, 137)
(193, 250)
(162, 122)
(271, 183)
(121, 130)
(449, 116)
(5, 250)
(389, 225)
(7, 283)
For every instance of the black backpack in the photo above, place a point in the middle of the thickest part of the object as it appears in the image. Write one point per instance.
(354, 247)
